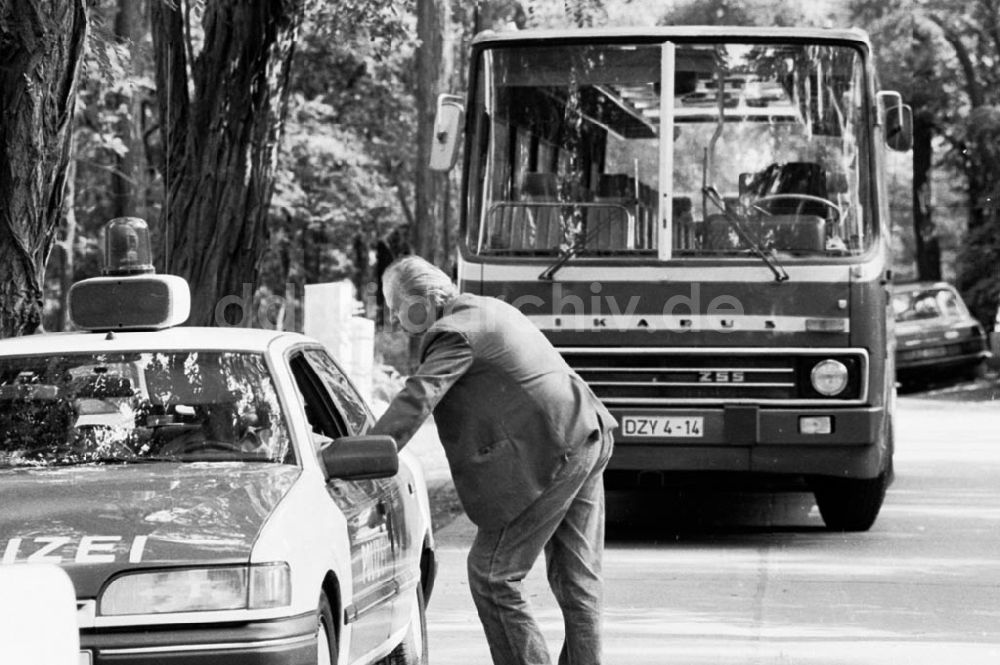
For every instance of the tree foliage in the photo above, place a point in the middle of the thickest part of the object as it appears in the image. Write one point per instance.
(900, 61)
(345, 176)
(966, 106)
(334, 178)
(735, 12)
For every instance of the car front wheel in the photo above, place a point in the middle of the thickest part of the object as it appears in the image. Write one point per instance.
(326, 636)
(975, 371)
(413, 649)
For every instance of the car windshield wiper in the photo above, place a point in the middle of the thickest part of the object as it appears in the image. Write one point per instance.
(113, 459)
(160, 459)
(148, 459)
(767, 256)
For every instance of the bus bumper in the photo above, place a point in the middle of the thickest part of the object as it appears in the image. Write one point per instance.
(757, 440)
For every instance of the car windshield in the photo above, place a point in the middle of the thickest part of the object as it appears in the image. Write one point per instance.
(928, 304)
(139, 407)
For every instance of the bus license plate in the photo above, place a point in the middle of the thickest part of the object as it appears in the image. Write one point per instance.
(663, 426)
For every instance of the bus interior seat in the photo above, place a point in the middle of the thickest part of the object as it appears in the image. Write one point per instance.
(647, 213)
(609, 224)
(537, 227)
(499, 226)
(837, 183)
(513, 224)
(683, 222)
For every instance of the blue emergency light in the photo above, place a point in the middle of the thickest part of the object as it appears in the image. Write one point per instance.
(129, 295)
(127, 247)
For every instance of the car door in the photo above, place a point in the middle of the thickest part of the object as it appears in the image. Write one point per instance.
(397, 493)
(369, 610)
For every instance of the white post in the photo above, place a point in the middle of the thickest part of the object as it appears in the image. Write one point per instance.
(328, 316)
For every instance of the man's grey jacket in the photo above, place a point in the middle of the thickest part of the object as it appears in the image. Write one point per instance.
(508, 408)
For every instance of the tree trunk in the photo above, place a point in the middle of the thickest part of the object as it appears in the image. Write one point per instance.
(42, 43)
(432, 25)
(68, 243)
(927, 248)
(221, 142)
(129, 181)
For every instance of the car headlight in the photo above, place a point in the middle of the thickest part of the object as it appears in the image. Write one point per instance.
(198, 590)
(829, 377)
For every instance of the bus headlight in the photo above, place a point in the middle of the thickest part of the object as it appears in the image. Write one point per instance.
(829, 377)
(198, 590)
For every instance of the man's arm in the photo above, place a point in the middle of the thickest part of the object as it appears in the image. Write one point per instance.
(446, 358)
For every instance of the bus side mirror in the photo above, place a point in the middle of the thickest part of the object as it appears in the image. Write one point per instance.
(447, 126)
(898, 121)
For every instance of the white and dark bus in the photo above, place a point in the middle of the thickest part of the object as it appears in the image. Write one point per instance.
(697, 218)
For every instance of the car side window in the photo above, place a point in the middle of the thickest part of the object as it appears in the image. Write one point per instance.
(949, 305)
(349, 402)
(327, 423)
(322, 415)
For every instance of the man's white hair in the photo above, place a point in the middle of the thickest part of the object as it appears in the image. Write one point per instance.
(413, 277)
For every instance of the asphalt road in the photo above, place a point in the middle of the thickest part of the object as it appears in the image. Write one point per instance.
(755, 579)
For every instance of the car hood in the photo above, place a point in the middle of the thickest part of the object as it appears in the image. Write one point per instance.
(95, 521)
(919, 333)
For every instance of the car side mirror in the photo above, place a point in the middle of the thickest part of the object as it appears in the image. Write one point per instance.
(898, 121)
(447, 127)
(360, 457)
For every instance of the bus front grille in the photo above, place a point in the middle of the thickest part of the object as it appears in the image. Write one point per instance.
(655, 377)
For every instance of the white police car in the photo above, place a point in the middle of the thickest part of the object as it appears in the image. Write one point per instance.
(211, 492)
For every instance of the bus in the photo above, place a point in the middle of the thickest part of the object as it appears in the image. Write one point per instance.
(697, 218)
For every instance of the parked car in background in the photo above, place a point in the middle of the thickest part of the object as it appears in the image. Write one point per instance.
(936, 336)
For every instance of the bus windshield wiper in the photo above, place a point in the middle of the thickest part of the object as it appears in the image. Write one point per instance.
(570, 251)
(767, 256)
(564, 256)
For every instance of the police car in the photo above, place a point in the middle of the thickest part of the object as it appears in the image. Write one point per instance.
(212, 493)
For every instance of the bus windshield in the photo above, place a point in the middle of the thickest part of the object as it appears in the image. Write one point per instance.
(767, 145)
